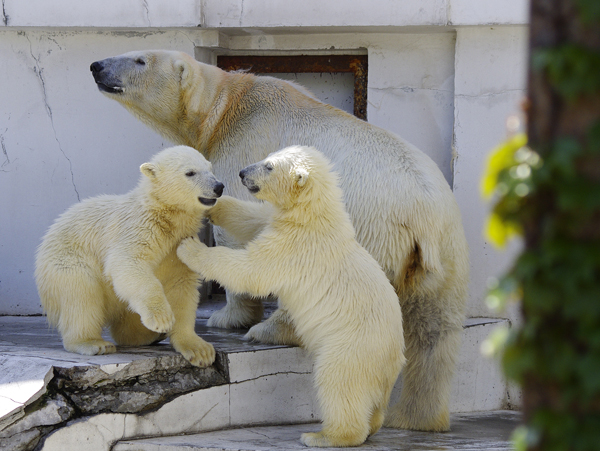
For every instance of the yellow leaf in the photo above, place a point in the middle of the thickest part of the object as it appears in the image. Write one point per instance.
(502, 157)
(498, 232)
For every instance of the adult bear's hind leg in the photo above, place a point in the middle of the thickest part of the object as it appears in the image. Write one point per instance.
(278, 329)
(432, 336)
(240, 312)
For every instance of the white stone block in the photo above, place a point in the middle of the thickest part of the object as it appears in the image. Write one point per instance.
(250, 365)
(202, 410)
(96, 433)
(488, 12)
(275, 399)
(490, 60)
(491, 68)
(108, 13)
(479, 384)
(473, 143)
(316, 13)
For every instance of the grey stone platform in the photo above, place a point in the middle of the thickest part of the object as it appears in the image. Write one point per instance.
(51, 399)
(486, 431)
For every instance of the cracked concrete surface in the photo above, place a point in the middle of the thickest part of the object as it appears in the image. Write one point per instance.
(43, 388)
(4, 151)
(145, 5)
(5, 17)
(39, 72)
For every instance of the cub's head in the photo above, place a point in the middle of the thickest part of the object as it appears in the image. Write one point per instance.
(181, 177)
(158, 87)
(290, 176)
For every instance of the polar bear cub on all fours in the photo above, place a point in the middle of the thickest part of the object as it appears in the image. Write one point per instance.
(111, 261)
(303, 249)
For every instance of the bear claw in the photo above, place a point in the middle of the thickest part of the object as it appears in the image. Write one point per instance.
(161, 323)
(195, 350)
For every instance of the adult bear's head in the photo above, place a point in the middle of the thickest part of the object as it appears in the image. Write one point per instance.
(169, 91)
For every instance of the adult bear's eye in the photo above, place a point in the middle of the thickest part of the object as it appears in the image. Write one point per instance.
(190, 173)
(269, 166)
(140, 61)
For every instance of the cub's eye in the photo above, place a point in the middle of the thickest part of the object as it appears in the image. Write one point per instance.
(140, 61)
(190, 173)
(269, 166)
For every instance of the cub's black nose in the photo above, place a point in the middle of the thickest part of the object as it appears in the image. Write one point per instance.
(243, 173)
(96, 67)
(219, 189)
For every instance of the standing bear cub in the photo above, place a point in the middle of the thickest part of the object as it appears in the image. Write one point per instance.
(343, 307)
(111, 261)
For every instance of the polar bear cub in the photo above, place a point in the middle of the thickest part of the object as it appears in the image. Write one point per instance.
(342, 305)
(111, 261)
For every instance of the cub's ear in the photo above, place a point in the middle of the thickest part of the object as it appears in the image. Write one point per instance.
(301, 176)
(149, 170)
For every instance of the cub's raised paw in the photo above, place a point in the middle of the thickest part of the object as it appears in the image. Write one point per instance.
(195, 350)
(91, 347)
(159, 321)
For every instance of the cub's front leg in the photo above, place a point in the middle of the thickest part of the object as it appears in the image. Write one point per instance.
(135, 282)
(243, 220)
(232, 268)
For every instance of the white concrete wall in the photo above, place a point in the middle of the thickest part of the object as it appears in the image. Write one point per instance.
(444, 74)
(62, 141)
(490, 71)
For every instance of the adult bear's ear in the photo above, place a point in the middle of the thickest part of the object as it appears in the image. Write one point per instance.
(301, 176)
(183, 68)
(149, 170)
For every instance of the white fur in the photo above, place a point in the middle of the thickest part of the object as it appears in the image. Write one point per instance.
(111, 261)
(343, 307)
(401, 206)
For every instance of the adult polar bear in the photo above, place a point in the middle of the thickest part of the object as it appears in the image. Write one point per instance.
(401, 206)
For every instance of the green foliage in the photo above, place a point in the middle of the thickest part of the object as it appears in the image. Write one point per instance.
(551, 196)
(589, 11)
(572, 69)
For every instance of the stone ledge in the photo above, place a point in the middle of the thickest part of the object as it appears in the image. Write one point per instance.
(57, 400)
(43, 387)
(482, 431)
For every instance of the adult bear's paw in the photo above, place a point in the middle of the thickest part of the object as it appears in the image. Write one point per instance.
(278, 330)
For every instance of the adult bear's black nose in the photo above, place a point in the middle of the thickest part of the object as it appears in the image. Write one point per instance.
(243, 173)
(96, 67)
(219, 189)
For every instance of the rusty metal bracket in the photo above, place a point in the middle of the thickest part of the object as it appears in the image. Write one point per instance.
(356, 64)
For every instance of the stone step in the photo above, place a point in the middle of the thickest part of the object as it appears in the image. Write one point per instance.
(486, 431)
(63, 401)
